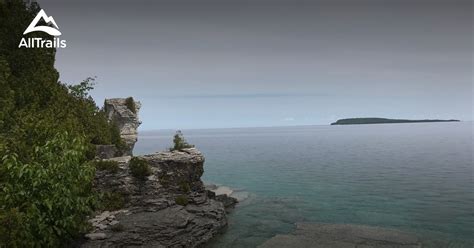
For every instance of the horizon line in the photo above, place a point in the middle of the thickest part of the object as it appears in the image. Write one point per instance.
(276, 126)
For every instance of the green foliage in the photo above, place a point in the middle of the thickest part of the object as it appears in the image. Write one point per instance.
(11, 224)
(108, 165)
(184, 187)
(94, 120)
(181, 200)
(179, 142)
(34, 106)
(139, 168)
(46, 200)
(115, 137)
(111, 201)
(46, 134)
(130, 103)
(81, 90)
(6, 94)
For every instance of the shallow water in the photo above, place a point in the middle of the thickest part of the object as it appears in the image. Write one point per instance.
(413, 177)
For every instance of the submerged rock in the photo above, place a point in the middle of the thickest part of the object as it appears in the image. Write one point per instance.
(119, 112)
(228, 201)
(169, 208)
(223, 194)
(342, 235)
(223, 190)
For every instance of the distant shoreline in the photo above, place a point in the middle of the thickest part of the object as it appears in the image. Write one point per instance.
(359, 121)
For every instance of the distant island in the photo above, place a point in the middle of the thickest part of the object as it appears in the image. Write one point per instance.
(355, 121)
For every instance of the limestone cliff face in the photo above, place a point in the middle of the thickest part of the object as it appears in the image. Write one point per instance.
(118, 111)
(152, 215)
(168, 208)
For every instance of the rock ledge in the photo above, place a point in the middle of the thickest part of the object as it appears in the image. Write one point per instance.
(151, 215)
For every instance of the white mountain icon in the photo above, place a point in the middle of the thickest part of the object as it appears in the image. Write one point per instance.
(47, 29)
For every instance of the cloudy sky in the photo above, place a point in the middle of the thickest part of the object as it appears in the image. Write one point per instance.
(234, 63)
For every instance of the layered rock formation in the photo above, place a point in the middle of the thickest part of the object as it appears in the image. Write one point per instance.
(168, 208)
(123, 112)
(165, 205)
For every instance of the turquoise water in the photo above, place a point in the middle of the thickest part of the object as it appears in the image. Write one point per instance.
(413, 177)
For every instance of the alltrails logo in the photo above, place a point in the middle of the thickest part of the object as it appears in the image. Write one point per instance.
(56, 42)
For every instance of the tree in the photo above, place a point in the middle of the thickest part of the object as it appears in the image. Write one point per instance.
(179, 142)
(47, 128)
(35, 106)
(44, 202)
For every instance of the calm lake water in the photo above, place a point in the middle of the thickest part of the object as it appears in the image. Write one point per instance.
(413, 177)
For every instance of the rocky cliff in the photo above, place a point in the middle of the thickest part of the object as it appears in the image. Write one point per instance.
(168, 208)
(155, 200)
(123, 112)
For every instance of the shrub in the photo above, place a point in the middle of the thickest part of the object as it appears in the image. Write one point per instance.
(130, 103)
(184, 186)
(108, 165)
(11, 225)
(44, 202)
(111, 201)
(181, 200)
(139, 168)
(116, 139)
(179, 142)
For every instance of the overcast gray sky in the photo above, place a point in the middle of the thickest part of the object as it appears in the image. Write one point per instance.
(231, 63)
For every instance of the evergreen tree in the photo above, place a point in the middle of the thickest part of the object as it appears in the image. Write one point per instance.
(179, 142)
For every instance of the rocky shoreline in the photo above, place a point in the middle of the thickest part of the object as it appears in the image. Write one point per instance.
(152, 215)
(169, 207)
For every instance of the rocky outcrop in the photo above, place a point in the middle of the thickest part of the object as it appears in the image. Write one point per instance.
(342, 235)
(168, 208)
(106, 151)
(123, 112)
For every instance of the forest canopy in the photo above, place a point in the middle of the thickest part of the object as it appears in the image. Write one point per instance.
(47, 135)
